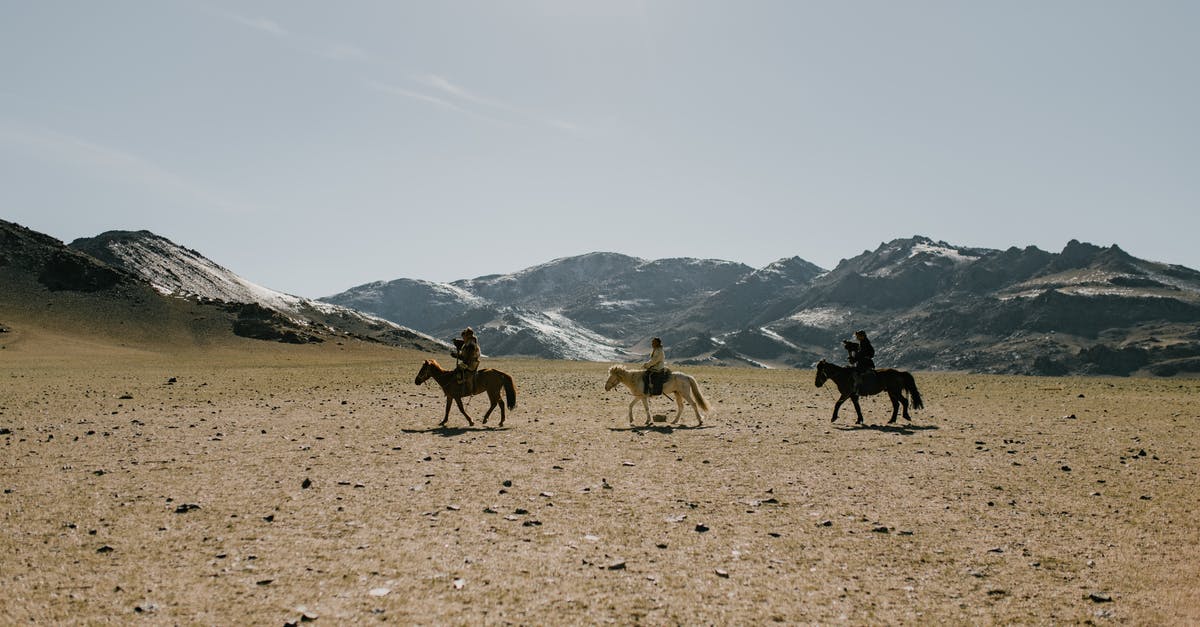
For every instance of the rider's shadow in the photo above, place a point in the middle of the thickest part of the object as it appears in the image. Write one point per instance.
(449, 432)
(908, 429)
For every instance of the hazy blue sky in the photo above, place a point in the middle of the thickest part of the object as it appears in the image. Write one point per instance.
(314, 146)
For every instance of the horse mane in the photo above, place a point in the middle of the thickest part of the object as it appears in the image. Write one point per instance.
(434, 363)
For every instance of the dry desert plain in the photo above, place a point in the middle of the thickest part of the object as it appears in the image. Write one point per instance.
(267, 484)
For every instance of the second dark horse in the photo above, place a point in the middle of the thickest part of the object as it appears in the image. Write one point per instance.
(894, 382)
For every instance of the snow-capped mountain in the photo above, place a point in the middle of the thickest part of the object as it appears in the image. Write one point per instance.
(177, 271)
(930, 304)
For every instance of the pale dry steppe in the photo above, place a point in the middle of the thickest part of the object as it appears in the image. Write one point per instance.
(267, 484)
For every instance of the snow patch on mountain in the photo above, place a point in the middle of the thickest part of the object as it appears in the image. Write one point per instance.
(560, 335)
(821, 317)
(177, 271)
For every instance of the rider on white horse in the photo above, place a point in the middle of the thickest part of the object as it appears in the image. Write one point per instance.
(657, 364)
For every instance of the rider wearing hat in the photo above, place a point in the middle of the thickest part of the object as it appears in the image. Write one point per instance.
(468, 354)
(657, 364)
(862, 356)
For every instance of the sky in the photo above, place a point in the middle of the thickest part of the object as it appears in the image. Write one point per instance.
(315, 146)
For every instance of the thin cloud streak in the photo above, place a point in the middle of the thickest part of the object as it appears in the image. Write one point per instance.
(456, 91)
(422, 97)
(258, 23)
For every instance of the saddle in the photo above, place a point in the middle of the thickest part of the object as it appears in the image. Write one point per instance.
(466, 379)
(868, 382)
(654, 380)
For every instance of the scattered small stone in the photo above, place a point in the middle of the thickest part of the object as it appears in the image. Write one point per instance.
(627, 463)
(186, 507)
(1066, 468)
(507, 483)
(379, 592)
(532, 523)
(264, 582)
(105, 549)
(306, 484)
(881, 529)
(125, 397)
(825, 523)
(617, 565)
(459, 583)
(722, 573)
(701, 528)
(1100, 597)
(453, 508)
(172, 380)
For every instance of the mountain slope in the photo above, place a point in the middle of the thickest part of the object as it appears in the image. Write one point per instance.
(261, 312)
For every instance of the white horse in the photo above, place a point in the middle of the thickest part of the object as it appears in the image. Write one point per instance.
(681, 385)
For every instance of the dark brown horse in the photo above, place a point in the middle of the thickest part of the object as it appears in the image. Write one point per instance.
(486, 380)
(894, 382)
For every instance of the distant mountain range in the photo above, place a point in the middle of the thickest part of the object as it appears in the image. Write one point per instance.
(927, 305)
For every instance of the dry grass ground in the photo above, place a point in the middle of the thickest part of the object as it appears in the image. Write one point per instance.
(276, 484)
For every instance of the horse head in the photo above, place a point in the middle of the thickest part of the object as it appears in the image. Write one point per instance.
(614, 377)
(821, 376)
(428, 369)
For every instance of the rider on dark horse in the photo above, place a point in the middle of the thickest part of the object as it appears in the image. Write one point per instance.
(861, 356)
(468, 354)
(656, 367)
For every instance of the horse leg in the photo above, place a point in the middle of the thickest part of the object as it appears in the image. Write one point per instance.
(464, 411)
(695, 408)
(904, 402)
(895, 406)
(449, 401)
(631, 404)
(857, 409)
(678, 407)
(494, 399)
(646, 405)
(837, 406)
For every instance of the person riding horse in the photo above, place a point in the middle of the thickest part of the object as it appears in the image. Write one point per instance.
(656, 368)
(861, 356)
(468, 354)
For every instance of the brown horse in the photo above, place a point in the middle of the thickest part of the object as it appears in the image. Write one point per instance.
(894, 382)
(486, 380)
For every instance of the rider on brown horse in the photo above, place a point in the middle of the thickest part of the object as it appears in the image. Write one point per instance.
(468, 354)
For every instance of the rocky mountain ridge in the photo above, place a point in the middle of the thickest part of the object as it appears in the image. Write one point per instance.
(928, 305)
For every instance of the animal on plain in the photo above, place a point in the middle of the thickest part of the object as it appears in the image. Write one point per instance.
(683, 387)
(487, 380)
(894, 382)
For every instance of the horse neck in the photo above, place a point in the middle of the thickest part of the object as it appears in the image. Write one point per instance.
(439, 374)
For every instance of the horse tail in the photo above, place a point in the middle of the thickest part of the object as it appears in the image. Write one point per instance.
(910, 386)
(700, 402)
(510, 390)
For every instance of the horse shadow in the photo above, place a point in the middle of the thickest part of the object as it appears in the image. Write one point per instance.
(659, 428)
(450, 432)
(900, 429)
